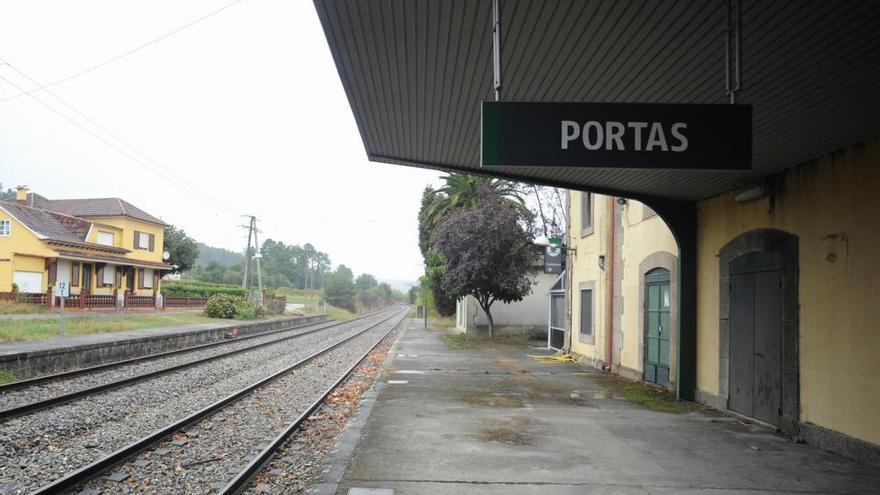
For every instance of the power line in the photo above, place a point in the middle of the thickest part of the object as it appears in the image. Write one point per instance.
(121, 55)
(165, 173)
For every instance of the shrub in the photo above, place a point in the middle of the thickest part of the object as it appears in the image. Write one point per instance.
(193, 288)
(223, 306)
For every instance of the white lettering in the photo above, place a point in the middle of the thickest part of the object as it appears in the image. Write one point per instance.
(656, 138)
(682, 139)
(614, 135)
(570, 132)
(594, 145)
(637, 126)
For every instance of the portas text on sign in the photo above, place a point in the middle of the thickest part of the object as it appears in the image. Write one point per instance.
(617, 135)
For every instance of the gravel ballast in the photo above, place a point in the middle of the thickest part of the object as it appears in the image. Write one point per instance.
(42, 391)
(208, 454)
(41, 447)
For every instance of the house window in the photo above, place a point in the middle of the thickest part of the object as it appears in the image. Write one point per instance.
(142, 240)
(147, 276)
(587, 312)
(586, 213)
(5, 228)
(109, 275)
(105, 238)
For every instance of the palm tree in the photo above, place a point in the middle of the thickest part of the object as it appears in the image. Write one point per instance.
(460, 191)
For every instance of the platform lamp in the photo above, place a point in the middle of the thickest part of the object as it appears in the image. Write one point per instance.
(552, 242)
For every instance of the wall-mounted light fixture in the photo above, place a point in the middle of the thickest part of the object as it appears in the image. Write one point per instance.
(621, 201)
(752, 194)
(602, 262)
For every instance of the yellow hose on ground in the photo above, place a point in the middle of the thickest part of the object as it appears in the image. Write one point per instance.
(559, 358)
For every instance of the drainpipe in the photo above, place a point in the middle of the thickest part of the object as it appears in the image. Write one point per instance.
(609, 286)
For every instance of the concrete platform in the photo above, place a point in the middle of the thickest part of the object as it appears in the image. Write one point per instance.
(32, 358)
(493, 421)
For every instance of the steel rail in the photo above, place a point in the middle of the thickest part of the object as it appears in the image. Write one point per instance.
(83, 474)
(64, 398)
(81, 371)
(243, 478)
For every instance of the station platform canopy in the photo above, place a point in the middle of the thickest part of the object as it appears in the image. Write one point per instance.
(416, 71)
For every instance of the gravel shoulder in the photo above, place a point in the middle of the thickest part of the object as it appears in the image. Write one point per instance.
(42, 391)
(38, 448)
(206, 455)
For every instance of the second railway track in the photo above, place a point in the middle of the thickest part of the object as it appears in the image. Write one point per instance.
(44, 392)
(213, 443)
(40, 447)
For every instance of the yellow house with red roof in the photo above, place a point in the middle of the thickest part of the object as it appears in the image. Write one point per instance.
(96, 246)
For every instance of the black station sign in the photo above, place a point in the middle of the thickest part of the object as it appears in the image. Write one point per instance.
(617, 135)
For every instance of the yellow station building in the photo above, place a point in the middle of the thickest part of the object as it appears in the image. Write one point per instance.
(103, 246)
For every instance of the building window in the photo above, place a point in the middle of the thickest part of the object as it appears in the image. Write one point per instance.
(145, 241)
(105, 238)
(586, 213)
(587, 312)
(5, 228)
(147, 278)
(109, 275)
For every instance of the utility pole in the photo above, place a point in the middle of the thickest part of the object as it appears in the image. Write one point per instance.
(252, 233)
(258, 255)
(247, 253)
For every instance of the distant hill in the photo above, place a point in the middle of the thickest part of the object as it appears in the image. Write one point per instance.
(225, 257)
(401, 285)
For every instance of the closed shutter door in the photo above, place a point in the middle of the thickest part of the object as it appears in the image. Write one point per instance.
(140, 278)
(29, 282)
(152, 242)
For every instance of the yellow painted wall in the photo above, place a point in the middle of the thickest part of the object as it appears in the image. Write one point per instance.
(839, 311)
(22, 241)
(641, 238)
(584, 267)
(129, 226)
(118, 235)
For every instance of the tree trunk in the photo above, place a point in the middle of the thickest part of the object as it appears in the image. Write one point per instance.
(491, 322)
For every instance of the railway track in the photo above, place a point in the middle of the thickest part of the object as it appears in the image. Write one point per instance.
(55, 389)
(220, 433)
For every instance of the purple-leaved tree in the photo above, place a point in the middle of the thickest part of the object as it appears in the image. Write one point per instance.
(487, 253)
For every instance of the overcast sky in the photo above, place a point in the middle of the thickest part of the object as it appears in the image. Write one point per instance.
(246, 106)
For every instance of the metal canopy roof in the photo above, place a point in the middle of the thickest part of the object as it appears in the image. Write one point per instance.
(415, 72)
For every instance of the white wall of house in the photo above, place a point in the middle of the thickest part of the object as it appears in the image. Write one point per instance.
(529, 315)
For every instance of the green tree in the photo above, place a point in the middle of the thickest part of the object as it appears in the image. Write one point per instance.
(487, 253)
(365, 281)
(183, 249)
(339, 288)
(461, 191)
(7, 194)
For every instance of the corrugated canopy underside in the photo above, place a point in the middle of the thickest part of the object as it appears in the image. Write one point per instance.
(415, 72)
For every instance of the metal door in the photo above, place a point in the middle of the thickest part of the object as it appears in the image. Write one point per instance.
(556, 323)
(657, 331)
(755, 378)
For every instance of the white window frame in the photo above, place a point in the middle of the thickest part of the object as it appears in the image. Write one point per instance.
(148, 278)
(103, 233)
(7, 231)
(109, 272)
(143, 241)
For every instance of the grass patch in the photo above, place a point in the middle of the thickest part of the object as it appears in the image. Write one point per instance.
(15, 308)
(7, 376)
(338, 314)
(45, 328)
(441, 321)
(652, 398)
(297, 296)
(458, 341)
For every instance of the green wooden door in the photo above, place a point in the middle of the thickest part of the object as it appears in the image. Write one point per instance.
(657, 331)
